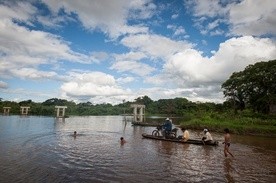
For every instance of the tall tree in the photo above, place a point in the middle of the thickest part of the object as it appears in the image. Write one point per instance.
(255, 86)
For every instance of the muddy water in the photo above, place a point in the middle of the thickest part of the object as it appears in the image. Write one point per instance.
(42, 149)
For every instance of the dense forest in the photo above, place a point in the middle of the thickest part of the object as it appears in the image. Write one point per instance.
(166, 107)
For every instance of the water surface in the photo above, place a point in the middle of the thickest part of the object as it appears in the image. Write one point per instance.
(42, 149)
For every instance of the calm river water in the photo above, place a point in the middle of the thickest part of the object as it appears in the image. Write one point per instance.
(42, 149)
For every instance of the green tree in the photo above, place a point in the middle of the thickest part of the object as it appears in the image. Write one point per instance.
(255, 87)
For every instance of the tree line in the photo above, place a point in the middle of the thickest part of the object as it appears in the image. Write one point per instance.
(168, 107)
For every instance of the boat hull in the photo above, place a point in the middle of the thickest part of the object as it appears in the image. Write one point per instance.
(190, 141)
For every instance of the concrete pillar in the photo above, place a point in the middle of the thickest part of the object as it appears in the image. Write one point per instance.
(138, 112)
(6, 110)
(60, 111)
(24, 110)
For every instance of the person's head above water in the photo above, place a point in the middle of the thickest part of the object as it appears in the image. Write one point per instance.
(75, 132)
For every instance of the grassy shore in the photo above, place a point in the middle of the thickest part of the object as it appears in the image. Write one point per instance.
(243, 123)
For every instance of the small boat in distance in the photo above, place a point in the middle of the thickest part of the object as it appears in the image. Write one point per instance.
(190, 141)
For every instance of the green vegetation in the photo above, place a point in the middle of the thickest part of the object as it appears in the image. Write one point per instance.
(255, 87)
(244, 122)
(249, 107)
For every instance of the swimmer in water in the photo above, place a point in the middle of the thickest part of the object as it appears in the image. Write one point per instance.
(122, 140)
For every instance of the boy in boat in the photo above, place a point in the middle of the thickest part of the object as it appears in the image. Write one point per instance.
(207, 137)
(186, 134)
(226, 142)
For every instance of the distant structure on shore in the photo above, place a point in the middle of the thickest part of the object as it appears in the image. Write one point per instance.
(24, 110)
(60, 111)
(138, 112)
(6, 110)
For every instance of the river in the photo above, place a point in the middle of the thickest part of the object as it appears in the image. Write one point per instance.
(42, 149)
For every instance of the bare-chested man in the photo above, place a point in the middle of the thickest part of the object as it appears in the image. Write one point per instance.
(226, 142)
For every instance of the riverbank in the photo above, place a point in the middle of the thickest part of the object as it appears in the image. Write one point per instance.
(242, 124)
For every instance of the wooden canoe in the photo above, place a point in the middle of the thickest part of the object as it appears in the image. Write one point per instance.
(145, 124)
(190, 141)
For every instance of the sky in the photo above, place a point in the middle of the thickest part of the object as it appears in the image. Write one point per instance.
(109, 51)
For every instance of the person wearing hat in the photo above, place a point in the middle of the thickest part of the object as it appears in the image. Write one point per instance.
(167, 127)
(207, 137)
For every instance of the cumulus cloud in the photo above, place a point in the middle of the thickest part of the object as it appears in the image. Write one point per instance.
(154, 45)
(24, 48)
(30, 73)
(199, 78)
(124, 80)
(110, 18)
(246, 17)
(135, 67)
(21, 12)
(90, 85)
(131, 62)
(253, 17)
(211, 8)
(192, 69)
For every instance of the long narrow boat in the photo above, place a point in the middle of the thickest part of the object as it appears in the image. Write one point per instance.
(190, 141)
(154, 124)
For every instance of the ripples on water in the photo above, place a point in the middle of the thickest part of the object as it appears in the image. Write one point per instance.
(35, 149)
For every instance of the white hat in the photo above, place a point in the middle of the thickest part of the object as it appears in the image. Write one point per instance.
(167, 119)
(205, 130)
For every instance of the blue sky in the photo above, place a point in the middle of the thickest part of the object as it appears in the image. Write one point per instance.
(106, 51)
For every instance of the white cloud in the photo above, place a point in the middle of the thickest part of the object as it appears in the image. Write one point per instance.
(30, 73)
(21, 47)
(253, 17)
(135, 67)
(90, 85)
(22, 11)
(178, 30)
(189, 74)
(130, 62)
(130, 56)
(190, 68)
(124, 80)
(174, 16)
(110, 18)
(217, 32)
(154, 45)
(246, 17)
(210, 8)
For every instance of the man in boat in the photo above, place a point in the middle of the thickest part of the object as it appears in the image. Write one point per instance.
(167, 127)
(207, 137)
